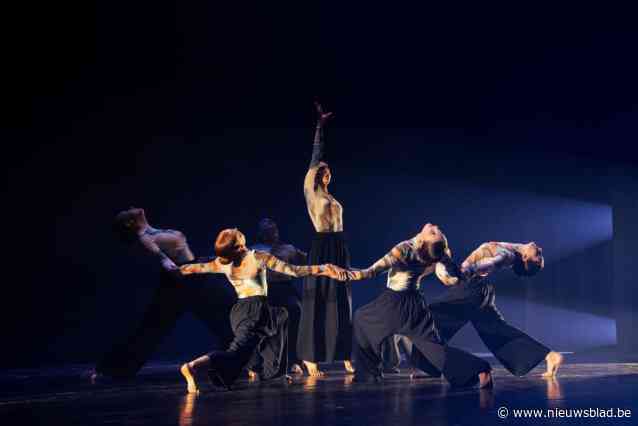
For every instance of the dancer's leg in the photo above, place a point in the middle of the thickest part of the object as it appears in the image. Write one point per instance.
(459, 367)
(517, 351)
(373, 324)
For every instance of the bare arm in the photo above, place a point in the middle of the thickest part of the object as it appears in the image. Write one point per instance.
(212, 267)
(151, 246)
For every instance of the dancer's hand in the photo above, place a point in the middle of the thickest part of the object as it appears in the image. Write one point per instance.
(169, 265)
(354, 275)
(322, 117)
(336, 273)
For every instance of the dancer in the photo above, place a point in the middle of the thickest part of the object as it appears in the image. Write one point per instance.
(473, 300)
(401, 309)
(174, 297)
(325, 334)
(284, 293)
(391, 349)
(260, 330)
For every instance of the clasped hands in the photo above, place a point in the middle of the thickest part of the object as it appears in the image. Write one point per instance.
(338, 273)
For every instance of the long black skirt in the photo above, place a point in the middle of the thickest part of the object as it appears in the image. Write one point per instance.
(474, 302)
(325, 334)
(208, 298)
(406, 313)
(260, 343)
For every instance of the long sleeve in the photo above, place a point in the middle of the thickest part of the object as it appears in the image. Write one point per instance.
(212, 267)
(485, 265)
(315, 162)
(275, 264)
(317, 148)
(393, 257)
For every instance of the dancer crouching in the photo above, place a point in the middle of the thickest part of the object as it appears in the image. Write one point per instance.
(401, 309)
(260, 342)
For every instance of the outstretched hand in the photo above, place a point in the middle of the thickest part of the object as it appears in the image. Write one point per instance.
(169, 265)
(336, 273)
(323, 117)
(353, 275)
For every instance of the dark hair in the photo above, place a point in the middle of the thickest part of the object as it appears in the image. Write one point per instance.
(122, 228)
(437, 250)
(225, 244)
(264, 224)
(525, 269)
(321, 171)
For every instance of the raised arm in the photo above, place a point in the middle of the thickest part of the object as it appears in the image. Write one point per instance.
(393, 257)
(317, 149)
(212, 267)
(151, 246)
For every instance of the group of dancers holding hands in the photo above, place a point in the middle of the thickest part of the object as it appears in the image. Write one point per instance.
(273, 333)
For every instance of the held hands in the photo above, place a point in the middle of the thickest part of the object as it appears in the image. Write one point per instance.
(323, 117)
(354, 275)
(169, 265)
(335, 272)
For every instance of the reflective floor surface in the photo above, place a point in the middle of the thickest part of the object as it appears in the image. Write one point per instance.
(583, 393)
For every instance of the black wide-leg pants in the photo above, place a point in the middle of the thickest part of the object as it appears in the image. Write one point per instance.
(474, 302)
(210, 302)
(284, 295)
(406, 313)
(260, 342)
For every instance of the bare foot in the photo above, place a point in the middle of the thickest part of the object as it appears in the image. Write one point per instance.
(296, 369)
(485, 380)
(190, 378)
(554, 360)
(348, 365)
(252, 376)
(313, 369)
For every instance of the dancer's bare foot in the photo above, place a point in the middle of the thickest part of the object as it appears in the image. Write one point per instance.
(348, 365)
(313, 369)
(296, 369)
(190, 378)
(485, 380)
(252, 376)
(554, 360)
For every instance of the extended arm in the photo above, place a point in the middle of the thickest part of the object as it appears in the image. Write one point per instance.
(275, 264)
(151, 246)
(386, 262)
(212, 267)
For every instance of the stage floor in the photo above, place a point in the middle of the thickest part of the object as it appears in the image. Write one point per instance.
(158, 397)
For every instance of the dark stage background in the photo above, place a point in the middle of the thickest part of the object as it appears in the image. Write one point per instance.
(505, 122)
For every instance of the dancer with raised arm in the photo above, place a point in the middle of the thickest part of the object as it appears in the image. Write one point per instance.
(260, 330)
(174, 297)
(325, 334)
(284, 293)
(473, 300)
(401, 309)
